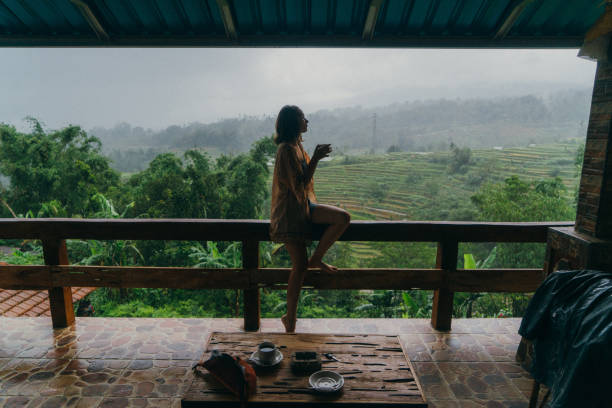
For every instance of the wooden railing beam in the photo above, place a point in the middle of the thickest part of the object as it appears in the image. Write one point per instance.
(442, 308)
(252, 303)
(39, 277)
(236, 230)
(60, 298)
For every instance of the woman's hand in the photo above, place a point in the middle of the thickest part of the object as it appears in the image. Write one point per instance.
(321, 151)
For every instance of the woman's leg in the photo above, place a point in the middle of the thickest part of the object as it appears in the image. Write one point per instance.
(338, 221)
(299, 259)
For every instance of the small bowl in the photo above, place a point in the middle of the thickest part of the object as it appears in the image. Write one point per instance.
(326, 381)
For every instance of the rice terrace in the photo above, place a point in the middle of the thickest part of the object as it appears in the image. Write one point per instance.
(421, 186)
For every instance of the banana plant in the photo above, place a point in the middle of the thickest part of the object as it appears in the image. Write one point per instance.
(416, 304)
(111, 253)
(466, 302)
(213, 257)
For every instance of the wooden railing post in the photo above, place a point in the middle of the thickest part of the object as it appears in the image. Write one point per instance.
(252, 306)
(60, 299)
(442, 309)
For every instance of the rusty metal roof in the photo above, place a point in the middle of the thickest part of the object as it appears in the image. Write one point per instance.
(326, 23)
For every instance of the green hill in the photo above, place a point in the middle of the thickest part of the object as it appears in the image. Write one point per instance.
(421, 186)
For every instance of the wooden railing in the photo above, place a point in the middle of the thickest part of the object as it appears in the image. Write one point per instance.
(58, 276)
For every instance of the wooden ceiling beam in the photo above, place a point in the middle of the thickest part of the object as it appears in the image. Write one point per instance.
(508, 23)
(320, 40)
(370, 22)
(91, 19)
(228, 19)
(602, 26)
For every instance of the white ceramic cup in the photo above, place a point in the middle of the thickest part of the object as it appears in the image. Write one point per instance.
(266, 351)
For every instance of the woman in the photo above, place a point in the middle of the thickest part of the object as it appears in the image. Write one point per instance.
(294, 206)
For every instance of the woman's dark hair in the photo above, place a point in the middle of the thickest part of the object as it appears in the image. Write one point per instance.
(288, 124)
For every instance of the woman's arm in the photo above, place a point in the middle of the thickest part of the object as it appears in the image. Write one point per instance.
(312, 166)
(321, 151)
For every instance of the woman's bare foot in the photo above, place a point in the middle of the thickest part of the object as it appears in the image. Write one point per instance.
(289, 326)
(322, 266)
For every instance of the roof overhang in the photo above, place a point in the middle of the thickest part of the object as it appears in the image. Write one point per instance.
(295, 42)
(298, 23)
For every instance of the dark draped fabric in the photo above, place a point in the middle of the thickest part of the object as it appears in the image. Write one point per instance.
(569, 321)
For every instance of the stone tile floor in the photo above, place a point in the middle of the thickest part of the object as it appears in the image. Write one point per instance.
(141, 362)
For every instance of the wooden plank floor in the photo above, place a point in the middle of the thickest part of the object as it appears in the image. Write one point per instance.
(375, 369)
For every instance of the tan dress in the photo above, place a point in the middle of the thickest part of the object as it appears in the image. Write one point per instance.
(290, 213)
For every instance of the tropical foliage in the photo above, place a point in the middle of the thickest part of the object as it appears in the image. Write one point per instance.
(53, 173)
(64, 174)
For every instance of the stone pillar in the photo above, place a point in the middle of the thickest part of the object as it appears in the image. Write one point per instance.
(589, 244)
(594, 214)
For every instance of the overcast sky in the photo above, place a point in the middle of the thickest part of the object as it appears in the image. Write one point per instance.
(155, 88)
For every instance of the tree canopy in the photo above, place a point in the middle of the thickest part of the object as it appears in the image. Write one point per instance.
(57, 172)
(199, 187)
(517, 200)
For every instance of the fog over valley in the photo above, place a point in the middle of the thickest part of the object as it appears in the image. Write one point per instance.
(427, 125)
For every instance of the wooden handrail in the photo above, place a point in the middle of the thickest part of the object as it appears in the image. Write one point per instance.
(445, 279)
(257, 230)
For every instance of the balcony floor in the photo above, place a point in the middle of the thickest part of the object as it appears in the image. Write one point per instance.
(142, 362)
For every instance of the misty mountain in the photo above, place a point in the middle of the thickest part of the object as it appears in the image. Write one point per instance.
(411, 126)
(474, 90)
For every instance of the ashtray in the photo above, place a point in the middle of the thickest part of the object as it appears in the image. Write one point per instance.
(326, 381)
(305, 361)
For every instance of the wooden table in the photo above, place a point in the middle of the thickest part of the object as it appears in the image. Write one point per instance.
(376, 372)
